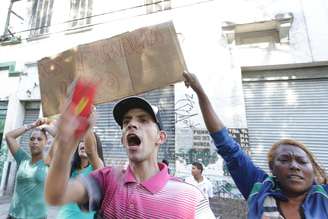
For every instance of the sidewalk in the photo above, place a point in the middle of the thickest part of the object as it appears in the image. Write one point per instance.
(4, 208)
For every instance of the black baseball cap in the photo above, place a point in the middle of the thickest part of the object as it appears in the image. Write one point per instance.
(124, 105)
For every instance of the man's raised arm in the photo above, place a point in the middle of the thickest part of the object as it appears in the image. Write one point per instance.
(58, 188)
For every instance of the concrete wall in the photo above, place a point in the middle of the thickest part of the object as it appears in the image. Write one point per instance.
(3, 13)
(206, 51)
(315, 20)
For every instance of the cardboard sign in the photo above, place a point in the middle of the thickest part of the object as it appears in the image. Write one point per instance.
(124, 65)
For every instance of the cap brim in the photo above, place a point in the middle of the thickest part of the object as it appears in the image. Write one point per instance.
(122, 107)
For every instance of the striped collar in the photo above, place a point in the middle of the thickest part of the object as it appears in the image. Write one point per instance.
(155, 183)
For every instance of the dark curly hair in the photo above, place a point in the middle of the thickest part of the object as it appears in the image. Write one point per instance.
(76, 161)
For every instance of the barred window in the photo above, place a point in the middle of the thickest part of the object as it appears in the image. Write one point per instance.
(41, 17)
(80, 12)
(157, 5)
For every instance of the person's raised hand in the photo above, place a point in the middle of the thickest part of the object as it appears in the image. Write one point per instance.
(50, 127)
(92, 118)
(89, 138)
(40, 122)
(67, 124)
(192, 81)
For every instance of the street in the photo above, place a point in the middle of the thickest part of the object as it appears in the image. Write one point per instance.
(4, 207)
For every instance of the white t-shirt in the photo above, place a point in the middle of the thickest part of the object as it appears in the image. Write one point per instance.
(204, 186)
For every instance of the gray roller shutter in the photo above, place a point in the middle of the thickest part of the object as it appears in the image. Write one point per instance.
(3, 112)
(32, 110)
(287, 109)
(3, 151)
(110, 132)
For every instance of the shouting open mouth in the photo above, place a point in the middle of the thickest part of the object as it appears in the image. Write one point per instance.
(133, 140)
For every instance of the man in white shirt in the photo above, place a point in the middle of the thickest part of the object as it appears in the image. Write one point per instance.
(197, 179)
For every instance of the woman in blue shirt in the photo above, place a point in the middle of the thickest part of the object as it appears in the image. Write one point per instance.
(297, 188)
(87, 157)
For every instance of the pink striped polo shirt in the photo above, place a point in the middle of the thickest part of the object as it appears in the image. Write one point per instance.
(162, 196)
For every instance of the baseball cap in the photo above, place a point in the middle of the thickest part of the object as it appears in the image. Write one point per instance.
(124, 105)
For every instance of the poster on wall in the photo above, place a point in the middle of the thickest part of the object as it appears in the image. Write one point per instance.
(127, 64)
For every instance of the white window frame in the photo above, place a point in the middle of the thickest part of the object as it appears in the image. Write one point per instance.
(41, 18)
(153, 6)
(80, 13)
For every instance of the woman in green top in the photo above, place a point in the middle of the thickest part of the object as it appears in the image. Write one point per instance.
(87, 157)
(28, 197)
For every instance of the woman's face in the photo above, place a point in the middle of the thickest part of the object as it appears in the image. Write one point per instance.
(293, 169)
(82, 152)
(37, 142)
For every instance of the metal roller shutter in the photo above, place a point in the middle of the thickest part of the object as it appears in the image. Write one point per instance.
(3, 151)
(287, 109)
(32, 111)
(110, 133)
(3, 112)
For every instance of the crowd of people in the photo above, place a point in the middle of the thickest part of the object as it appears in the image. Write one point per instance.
(73, 173)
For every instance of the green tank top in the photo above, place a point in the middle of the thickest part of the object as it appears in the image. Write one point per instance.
(28, 198)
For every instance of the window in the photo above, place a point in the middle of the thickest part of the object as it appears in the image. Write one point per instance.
(41, 17)
(157, 5)
(80, 13)
(257, 37)
(269, 31)
(10, 67)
